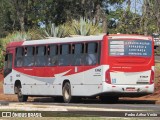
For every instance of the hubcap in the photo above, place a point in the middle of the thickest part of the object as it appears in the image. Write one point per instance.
(20, 93)
(66, 93)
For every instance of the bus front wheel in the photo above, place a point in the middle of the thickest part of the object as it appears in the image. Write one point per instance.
(21, 98)
(66, 91)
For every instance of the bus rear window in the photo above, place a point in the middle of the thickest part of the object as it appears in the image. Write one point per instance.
(130, 48)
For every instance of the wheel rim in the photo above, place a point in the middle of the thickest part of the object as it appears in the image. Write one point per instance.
(19, 93)
(21, 97)
(66, 93)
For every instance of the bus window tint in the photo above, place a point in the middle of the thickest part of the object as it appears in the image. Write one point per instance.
(52, 55)
(65, 56)
(65, 49)
(8, 64)
(78, 54)
(29, 56)
(53, 50)
(92, 53)
(40, 56)
(19, 57)
(10, 61)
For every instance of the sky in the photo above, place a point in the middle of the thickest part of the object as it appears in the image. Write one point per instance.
(134, 4)
(138, 5)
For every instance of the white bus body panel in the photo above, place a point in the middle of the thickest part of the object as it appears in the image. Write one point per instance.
(130, 78)
(85, 83)
(8, 85)
(88, 83)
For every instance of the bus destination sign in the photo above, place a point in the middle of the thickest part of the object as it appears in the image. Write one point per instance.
(130, 47)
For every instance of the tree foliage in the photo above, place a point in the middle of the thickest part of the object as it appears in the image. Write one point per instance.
(25, 14)
(130, 21)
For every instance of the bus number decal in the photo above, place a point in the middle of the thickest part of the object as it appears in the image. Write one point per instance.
(113, 80)
(17, 75)
(97, 70)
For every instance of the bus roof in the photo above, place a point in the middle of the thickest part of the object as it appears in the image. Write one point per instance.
(64, 40)
(77, 39)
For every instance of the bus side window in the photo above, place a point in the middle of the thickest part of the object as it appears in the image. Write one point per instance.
(8, 64)
(65, 55)
(78, 54)
(52, 55)
(40, 56)
(19, 57)
(29, 56)
(91, 53)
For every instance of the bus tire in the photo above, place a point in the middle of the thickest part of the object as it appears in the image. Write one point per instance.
(21, 98)
(66, 91)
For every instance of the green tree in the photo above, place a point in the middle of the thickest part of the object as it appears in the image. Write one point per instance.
(150, 20)
(5, 19)
(25, 14)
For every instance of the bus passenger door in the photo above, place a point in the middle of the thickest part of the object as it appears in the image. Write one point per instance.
(8, 78)
(8, 65)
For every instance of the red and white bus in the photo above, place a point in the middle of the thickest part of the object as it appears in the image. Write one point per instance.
(108, 66)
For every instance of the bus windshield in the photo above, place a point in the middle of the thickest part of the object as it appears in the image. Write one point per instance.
(142, 48)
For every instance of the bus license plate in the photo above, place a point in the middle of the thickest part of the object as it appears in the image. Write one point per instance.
(130, 89)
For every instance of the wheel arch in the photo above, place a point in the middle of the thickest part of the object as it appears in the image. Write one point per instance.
(66, 91)
(16, 85)
(66, 80)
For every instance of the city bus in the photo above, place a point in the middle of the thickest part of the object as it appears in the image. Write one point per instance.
(102, 66)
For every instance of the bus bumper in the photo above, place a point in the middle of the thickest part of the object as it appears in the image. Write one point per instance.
(128, 90)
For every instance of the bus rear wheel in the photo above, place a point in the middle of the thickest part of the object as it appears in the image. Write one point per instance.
(21, 98)
(66, 91)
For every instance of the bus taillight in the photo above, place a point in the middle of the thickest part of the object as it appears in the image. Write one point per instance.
(152, 77)
(108, 79)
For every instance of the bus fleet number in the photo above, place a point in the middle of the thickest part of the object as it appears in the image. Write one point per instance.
(97, 70)
(18, 75)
